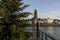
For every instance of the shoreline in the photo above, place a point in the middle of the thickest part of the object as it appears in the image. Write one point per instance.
(45, 24)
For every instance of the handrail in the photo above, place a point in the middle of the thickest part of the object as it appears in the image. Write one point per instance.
(42, 34)
(46, 36)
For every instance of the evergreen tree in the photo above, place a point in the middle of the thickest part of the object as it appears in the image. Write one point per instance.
(12, 22)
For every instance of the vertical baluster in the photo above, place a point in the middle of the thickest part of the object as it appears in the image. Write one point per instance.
(42, 36)
(53, 39)
(45, 37)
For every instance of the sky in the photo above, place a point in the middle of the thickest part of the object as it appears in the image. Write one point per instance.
(45, 8)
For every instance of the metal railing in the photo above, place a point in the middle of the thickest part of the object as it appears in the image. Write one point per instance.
(40, 35)
(44, 36)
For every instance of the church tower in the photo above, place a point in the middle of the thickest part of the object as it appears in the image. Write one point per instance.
(35, 14)
(35, 18)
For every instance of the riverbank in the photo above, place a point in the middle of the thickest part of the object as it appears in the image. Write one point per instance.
(46, 24)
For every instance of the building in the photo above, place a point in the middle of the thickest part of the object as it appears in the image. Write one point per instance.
(45, 21)
(50, 20)
(35, 18)
(56, 21)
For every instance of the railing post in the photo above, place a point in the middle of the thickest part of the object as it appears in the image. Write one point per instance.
(38, 34)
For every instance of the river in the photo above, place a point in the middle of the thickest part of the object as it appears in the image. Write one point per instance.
(53, 31)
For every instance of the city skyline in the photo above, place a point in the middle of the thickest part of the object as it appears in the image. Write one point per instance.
(45, 8)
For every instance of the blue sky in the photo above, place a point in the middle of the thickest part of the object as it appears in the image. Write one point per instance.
(45, 8)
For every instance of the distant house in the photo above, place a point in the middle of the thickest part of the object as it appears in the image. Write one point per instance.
(56, 21)
(50, 20)
(40, 20)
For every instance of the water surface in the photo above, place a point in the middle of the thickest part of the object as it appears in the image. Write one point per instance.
(53, 31)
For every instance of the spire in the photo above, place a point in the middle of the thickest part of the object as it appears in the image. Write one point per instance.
(35, 14)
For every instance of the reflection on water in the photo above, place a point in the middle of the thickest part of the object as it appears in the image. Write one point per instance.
(47, 29)
(54, 31)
